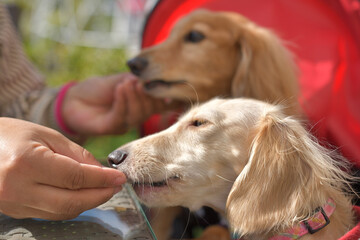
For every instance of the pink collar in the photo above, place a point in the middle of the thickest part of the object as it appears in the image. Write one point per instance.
(314, 224)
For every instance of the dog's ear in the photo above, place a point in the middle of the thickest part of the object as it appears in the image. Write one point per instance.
(266, 69)
(276, 178)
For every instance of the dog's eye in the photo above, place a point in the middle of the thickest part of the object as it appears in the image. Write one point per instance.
(198, 123)
(194, 37)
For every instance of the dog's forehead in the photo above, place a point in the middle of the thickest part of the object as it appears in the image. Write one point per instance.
(202, 20)
(226, 109)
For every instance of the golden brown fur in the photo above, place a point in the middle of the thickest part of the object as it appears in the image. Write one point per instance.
(246, 159)
(236, 58)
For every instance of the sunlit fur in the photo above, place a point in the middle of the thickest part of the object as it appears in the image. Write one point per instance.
(294, 175)
(237, 58)
(249, 161)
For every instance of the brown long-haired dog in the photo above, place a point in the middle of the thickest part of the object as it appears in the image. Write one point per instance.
(224, 54)
(246, 159)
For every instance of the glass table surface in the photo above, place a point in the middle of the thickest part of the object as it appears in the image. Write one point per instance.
(121, 218)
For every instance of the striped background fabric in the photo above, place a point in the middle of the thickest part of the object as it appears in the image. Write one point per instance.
(23, 93)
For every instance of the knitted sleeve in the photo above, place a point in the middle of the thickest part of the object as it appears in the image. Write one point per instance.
(23, 93)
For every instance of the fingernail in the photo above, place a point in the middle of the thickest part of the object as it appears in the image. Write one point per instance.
(119, 180)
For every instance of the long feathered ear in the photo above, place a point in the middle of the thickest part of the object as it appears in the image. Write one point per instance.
(266, 69)
(281, 181)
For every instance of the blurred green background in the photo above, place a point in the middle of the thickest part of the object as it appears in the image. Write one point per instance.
(60, 63)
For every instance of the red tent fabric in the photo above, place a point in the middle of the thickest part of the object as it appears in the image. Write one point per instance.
(324, 36)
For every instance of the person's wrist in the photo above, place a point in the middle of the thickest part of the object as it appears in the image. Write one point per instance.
(59, 109)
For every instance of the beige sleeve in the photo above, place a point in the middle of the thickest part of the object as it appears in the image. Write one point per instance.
(23, 93)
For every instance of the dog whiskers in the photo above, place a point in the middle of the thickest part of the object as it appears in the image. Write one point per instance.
(197, 96)
(224, 178)
(143, 185)
(186, 226)
(151, 182)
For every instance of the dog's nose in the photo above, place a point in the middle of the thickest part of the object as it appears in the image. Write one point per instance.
(116, 158)
(137, 65)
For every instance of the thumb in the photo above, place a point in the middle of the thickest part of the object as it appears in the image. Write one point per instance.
(58, 143)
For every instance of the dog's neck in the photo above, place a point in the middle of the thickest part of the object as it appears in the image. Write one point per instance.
(341, 217)
(218, 201)
(341, 220)
(319, 220)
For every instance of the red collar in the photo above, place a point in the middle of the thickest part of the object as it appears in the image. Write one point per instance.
(353, 234)
(317, 222)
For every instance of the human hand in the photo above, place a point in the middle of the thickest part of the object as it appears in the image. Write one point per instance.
(108, 105)
(45, 175)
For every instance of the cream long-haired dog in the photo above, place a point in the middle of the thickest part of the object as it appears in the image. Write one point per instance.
(223, 54)
(247, 160)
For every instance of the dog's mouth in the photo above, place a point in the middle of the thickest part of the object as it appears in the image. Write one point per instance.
(153, 184)
(151, 84)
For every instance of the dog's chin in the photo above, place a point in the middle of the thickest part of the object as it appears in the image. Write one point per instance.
(148, 189)
(175, 92)
(179, 90)
(161, 88)
(154, 84)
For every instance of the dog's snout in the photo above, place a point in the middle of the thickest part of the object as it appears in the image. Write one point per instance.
(116, 158)
(137, 65)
